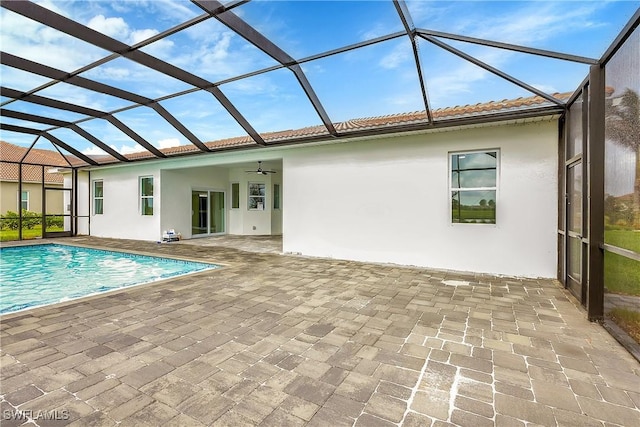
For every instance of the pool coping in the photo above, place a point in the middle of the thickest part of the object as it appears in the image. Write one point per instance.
(14, 314)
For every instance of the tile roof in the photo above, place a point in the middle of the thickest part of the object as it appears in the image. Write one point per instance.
(354, 125)
(30, 173)
(380, 122)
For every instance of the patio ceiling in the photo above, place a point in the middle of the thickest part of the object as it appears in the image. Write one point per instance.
(85, 98)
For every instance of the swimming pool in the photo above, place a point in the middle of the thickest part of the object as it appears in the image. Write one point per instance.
(35, 275)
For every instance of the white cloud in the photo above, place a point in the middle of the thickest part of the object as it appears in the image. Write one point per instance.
(123, 149)
(93, 151)
(545, 88)
(536, 23)
(376, 30)
(51, 6)
(113, 27)
(140, 35)
(529, 25)
(128, 149)
(31, 40)
(169, 142)
(400, 55)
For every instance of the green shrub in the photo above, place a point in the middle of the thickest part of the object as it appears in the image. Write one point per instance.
(54, 222)
(11, 220)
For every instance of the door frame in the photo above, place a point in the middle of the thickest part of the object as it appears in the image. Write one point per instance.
(209, 191)
(68, 229)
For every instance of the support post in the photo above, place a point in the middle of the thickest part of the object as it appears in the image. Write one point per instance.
(74, 202)
(20, 201)
(595, 156)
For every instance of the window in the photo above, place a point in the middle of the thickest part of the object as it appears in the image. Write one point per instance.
(235, 195)
(473, 187)
(276, 196)
(24, 201)
(146, 195)
(98, 198)
(256, 196)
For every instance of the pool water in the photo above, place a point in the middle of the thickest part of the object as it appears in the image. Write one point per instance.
(35, 275)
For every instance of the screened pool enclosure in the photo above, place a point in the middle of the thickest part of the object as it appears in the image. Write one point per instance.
(215, 77)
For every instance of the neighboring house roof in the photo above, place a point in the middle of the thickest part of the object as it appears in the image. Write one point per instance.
(312, 132)
(30, 173)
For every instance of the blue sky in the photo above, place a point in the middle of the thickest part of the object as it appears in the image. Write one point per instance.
(376, 80)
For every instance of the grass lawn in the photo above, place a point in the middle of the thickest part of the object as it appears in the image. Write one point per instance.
(626, 239)
(35, 232)
(467, 215)
(621, 274)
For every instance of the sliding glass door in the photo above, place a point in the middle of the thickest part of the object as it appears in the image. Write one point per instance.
(207, 212)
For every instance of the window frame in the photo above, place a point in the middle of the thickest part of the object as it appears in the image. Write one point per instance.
(143, 197)
(21, 200)
(96, 198)
(253, 196)
(235, 198)
(276, 196)
(453, 189)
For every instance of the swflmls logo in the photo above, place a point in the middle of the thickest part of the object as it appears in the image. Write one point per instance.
(35, 415)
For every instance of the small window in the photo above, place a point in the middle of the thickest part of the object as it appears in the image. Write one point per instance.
(146, 195)
(235, 195)
(276, 196)
(257, 194)
(98, 198)
(473, 187)
(24, 201)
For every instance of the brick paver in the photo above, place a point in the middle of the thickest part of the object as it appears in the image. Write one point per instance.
(277, 340)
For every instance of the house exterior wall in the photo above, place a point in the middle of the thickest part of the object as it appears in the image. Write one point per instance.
(176, 192)
(122, 216)
(178, 184)
(387, 200)
(9, 197)
(276, 214)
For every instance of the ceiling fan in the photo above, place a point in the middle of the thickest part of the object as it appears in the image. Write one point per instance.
(261, 171)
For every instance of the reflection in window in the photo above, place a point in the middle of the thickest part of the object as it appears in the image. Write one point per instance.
(473, 187)
(622, 185)
(235, 195)
(574, 198)
(24, 201)
(276, 196)
(257, 194)
(98, 197)
(146, 195)
(622, 171)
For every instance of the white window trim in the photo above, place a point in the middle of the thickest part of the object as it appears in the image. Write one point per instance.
(249, 196)
(452, 188)
(142, 197)
(93, 190)
(20, 200)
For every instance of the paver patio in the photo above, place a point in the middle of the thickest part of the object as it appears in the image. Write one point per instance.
(278, 340)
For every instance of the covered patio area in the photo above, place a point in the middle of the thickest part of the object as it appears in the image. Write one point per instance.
(285, 340)
(259, 244)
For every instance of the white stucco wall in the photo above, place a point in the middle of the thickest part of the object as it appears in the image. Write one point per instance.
(387, 200)
(177, 185)
(380, 200)
(276, 214)
(122, 216)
